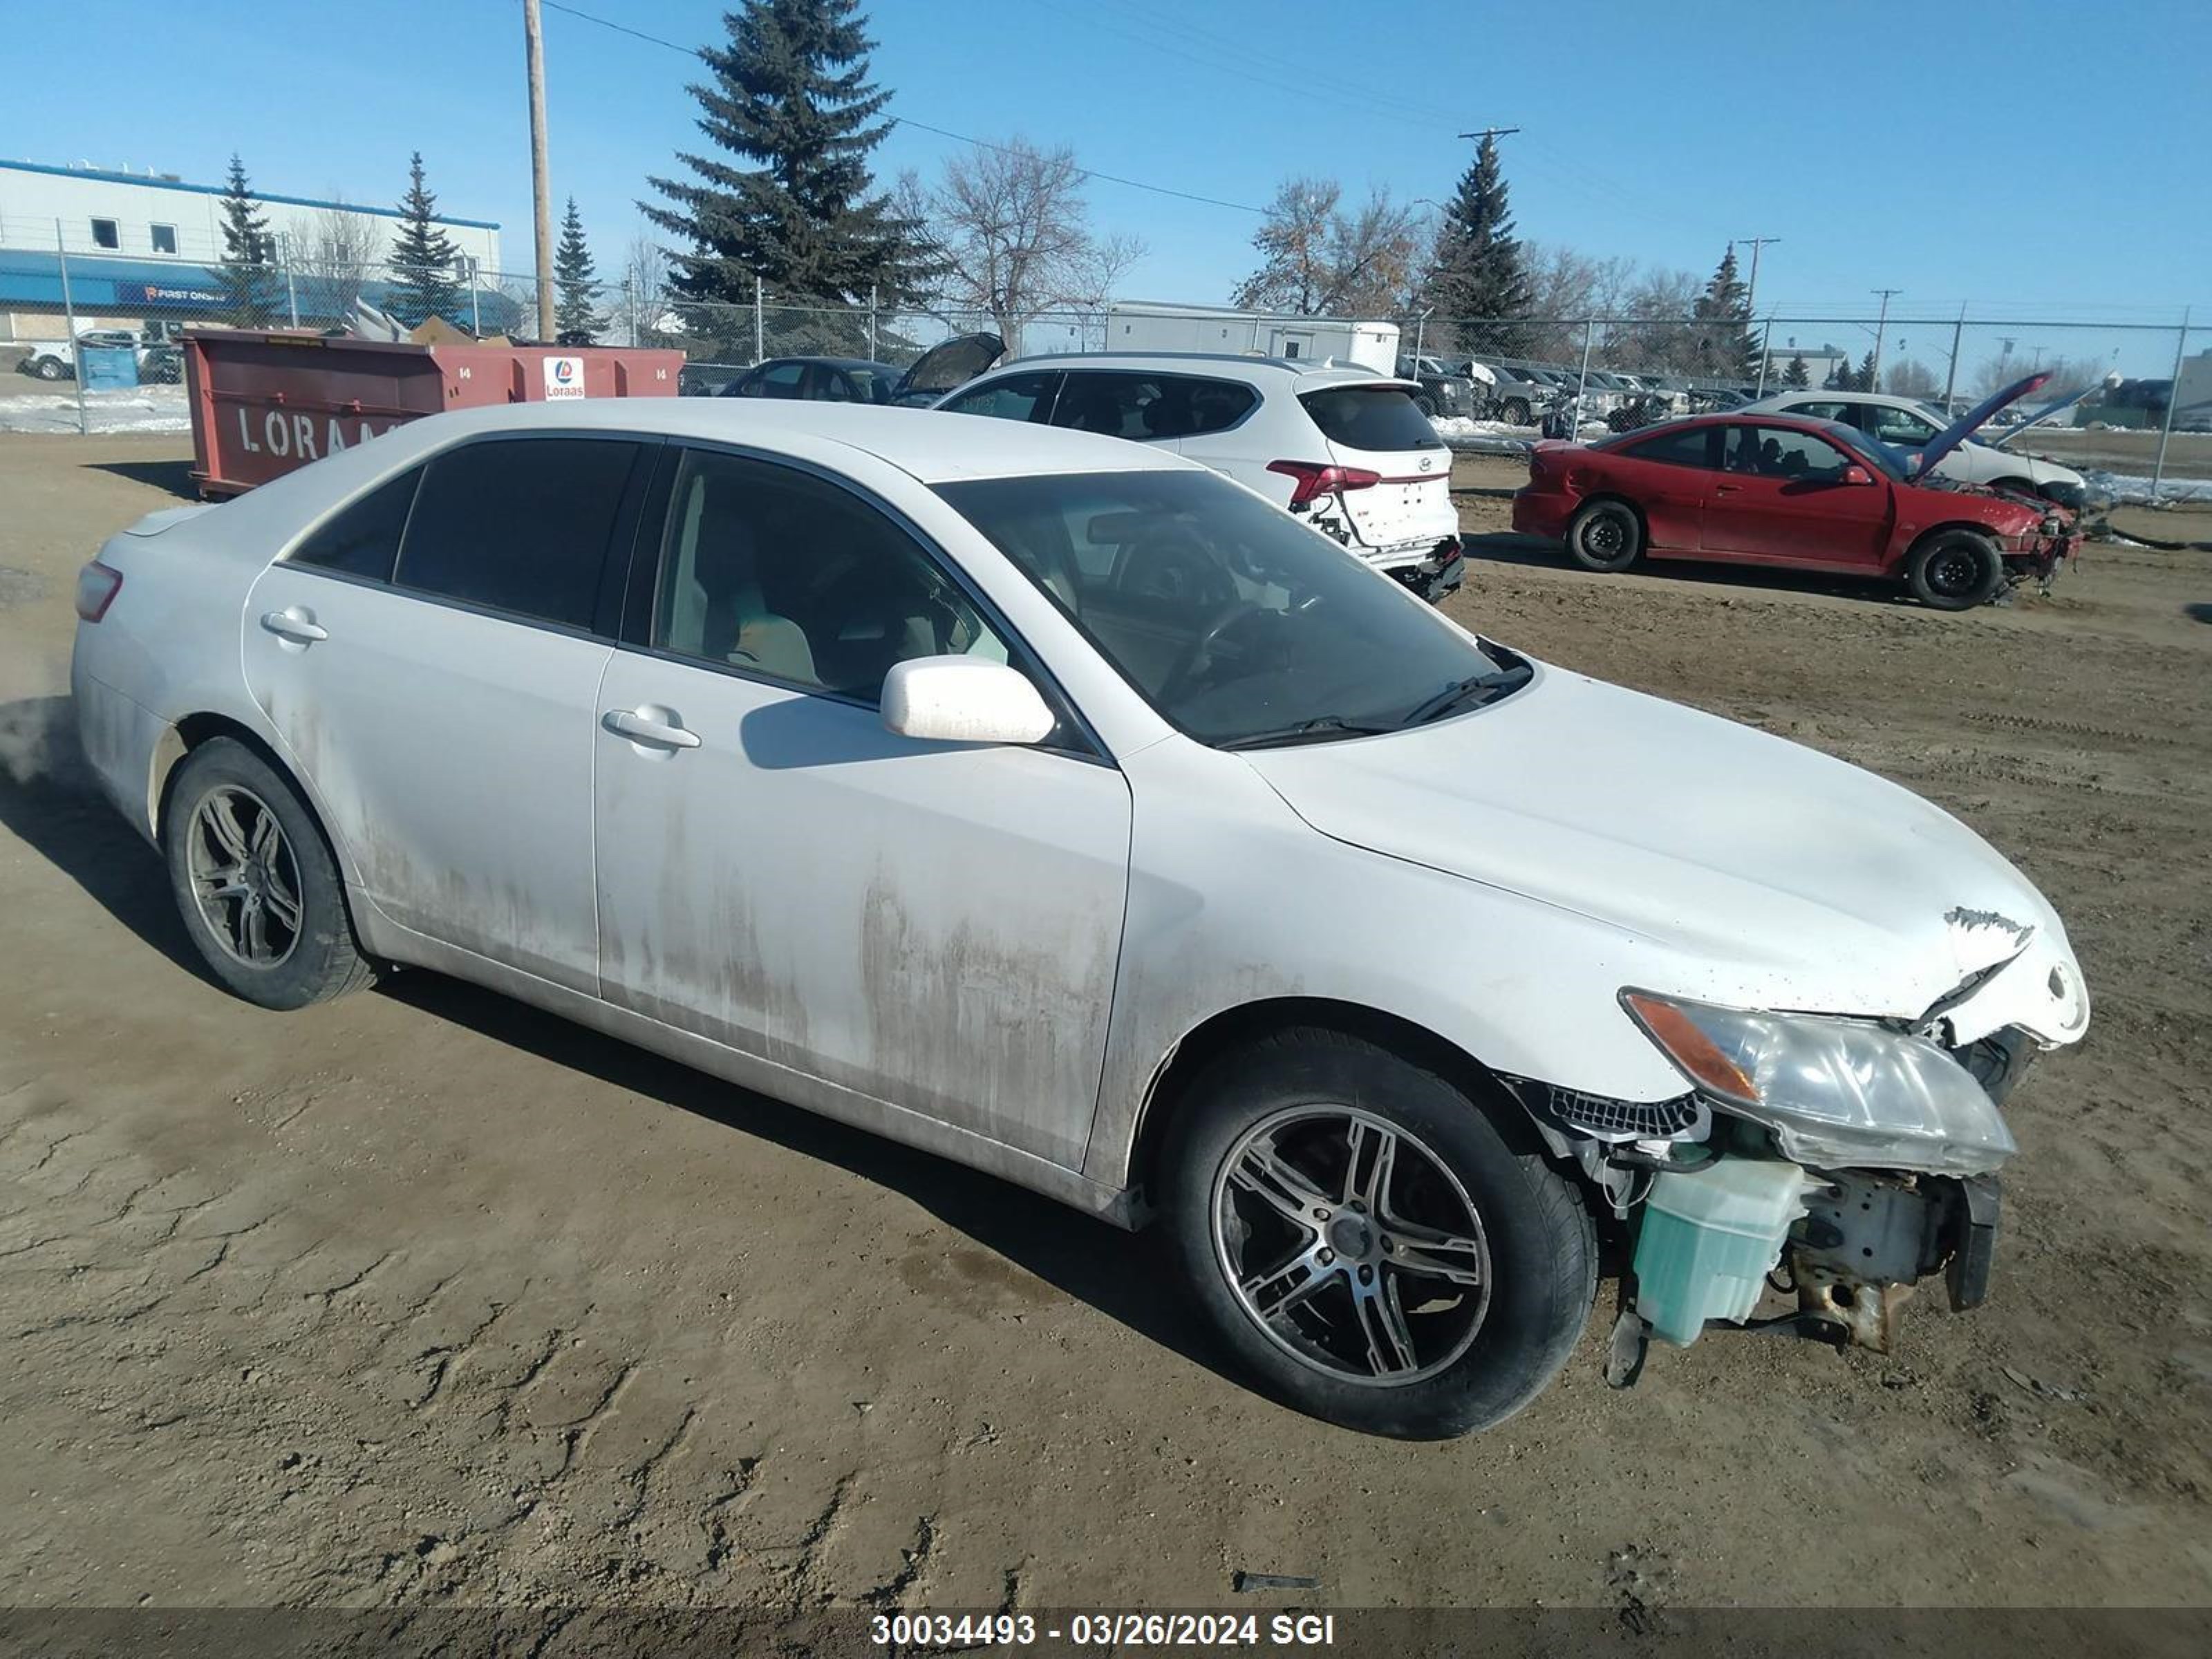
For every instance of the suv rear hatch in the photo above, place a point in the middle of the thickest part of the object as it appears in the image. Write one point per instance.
(1372, 430)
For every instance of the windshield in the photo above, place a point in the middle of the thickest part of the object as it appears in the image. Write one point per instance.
(1232, 619)
(1890, 462)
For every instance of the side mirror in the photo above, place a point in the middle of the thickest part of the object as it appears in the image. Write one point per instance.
(1857, 474)
(963, 700)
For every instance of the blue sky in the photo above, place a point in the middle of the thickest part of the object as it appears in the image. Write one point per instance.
(2028, 158)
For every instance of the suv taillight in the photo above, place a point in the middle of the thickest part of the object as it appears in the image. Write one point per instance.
(96, 588)
(1313, 479)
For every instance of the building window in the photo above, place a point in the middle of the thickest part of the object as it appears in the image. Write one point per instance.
(104, 233)
(165, 238)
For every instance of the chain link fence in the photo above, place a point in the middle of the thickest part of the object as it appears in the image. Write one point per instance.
(1588, 373)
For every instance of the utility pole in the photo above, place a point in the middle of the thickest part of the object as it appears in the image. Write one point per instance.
(533, 40)
(1489, 134)
(1751, 288)
(1880, 328)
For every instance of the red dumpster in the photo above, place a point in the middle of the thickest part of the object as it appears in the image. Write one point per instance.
(264, 403)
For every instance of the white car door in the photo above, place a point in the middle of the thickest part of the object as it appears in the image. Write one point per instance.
(430, 658)
(933, 924)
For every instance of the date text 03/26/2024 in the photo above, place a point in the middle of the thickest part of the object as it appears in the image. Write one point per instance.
(1105, 1630)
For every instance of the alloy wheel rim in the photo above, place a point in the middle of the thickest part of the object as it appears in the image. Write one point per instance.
(245, 878)
(1351, 1245)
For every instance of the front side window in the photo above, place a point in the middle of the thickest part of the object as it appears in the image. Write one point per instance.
(364, 538)
(777, 572)
(519, 524)
(1239, 625)
(1784, 453)
(1374, 417)
(1135, 406)
(1011, 398)
(1903, 427)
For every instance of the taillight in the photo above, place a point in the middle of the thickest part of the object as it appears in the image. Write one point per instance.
(96, 588)
(1312, 479)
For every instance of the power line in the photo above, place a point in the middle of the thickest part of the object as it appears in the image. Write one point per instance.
(923, 126)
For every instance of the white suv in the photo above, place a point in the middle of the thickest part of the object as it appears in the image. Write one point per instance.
(1345, 448)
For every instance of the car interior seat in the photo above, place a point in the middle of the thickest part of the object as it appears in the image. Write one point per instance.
(718, 609)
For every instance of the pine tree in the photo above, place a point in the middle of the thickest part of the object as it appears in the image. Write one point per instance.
(576, 319)
(1480, 272)
(790, 93)
(1728, 345)
(422, 257)
(1864, 379)
(1796, 374)
(245, 274)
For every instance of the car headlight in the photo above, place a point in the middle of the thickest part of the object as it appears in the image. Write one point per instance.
(1834, 1091)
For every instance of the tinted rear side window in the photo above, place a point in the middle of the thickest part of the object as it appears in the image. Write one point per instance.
(363, 539)
(520, 525)
(1692, 446)
(1370, 417)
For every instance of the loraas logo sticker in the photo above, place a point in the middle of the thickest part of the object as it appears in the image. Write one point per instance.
(564, 377)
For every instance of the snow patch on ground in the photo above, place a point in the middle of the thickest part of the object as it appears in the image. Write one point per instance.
(1496, 437)
(2127, 490)
(141, 409)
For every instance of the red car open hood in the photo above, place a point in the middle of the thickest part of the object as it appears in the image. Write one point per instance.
(1973, 420)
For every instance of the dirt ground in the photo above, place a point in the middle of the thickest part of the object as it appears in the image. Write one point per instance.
(422, 1296)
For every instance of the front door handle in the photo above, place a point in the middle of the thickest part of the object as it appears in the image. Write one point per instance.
(1726, 490)
(296, 624)
(643, 728)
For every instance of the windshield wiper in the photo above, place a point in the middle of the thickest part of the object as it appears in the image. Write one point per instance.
(1317, 730)
(1476, 689)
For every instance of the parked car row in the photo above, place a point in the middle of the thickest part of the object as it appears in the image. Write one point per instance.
(159, 357)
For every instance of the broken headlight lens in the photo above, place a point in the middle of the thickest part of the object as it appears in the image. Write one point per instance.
(1834, 1091)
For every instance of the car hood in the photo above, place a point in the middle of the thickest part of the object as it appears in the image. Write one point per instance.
(1768, 875)
(1975, 419)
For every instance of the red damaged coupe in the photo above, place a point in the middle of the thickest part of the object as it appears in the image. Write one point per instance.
(1797, 493)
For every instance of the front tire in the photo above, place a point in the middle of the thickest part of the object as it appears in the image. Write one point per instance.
(255, 882)
(47, 369)
(1956, 570)
(1605, 536)
(1514, 411)
(1366, 1243)
(1427, 406)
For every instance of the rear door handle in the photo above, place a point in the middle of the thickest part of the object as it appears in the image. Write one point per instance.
(294, 625)
(643, 728)
(1726, 490)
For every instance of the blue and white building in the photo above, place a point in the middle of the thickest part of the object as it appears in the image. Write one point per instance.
(139, 246)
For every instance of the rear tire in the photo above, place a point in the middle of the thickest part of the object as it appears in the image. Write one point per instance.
(1446, 1274)
(1514, 411)
(1605, 536)
(255, 882)
(1955, 570)
(47, 369)
(1427, 406)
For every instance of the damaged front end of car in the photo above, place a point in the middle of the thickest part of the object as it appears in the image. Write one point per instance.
(1839, 1162)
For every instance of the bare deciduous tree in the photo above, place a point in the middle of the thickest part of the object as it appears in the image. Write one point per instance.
(342, 251)
(644, 289)
(1318, 258)
(1012, 236)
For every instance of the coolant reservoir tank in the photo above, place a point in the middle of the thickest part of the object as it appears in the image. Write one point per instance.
(1708, 1238)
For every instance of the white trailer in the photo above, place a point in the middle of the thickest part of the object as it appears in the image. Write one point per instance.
(1138, 325)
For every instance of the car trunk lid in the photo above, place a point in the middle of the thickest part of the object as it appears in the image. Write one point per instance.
(1373, 428)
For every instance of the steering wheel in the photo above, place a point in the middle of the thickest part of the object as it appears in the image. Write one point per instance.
(1201, 650)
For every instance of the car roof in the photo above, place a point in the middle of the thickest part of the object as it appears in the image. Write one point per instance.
(1829, 395)
(1285, 373)
(933, 448)
(832, 362)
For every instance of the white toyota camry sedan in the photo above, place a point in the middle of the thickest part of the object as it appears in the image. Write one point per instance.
(1065, 808)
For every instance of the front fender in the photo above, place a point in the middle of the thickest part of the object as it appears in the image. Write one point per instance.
(1234, 900)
